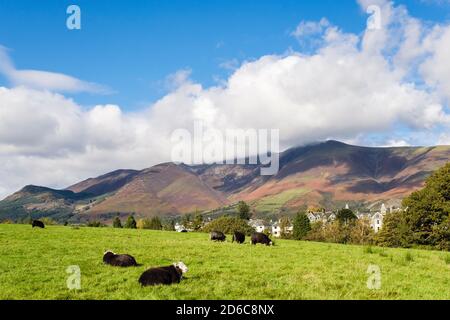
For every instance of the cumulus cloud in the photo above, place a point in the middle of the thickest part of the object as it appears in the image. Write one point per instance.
(309, 28)
(350, 87)
(45, 80)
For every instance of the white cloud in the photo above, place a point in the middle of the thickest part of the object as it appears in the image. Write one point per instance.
(444, 139)
(436, 68)
(52, 81)
(396, 143)
(351, 87)
(309, 28)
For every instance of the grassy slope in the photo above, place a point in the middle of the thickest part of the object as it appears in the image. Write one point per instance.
(33, 264)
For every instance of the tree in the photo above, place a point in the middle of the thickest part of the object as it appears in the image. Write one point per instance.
(228, 225)
(152, 224)
(361, 232)
(117, 223)
(427, 210)
(142, 223)
(301, 226)
(395, 231)
(243, 210)
(346, 216)
(155, 224)
(131, 223)
(317, 232)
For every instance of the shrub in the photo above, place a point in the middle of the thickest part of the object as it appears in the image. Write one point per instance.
(361, 232)
(335, 232)
(131, 223)
(317, 232)
(117, 223)
(152, 224)
(228, 225)
(95, 224)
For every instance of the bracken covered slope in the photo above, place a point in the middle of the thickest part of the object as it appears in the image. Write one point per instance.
(327, 174)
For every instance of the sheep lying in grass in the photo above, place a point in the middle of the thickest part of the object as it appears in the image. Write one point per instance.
(119, 260)
(37, 223)
(163, 275)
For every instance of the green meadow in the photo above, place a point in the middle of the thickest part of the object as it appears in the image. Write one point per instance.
(33, 264)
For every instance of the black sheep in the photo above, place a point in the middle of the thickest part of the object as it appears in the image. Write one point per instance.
(262, 238)
(217, 236)
(37, 223)
(238, 237)
(119, 260)
(163, 275)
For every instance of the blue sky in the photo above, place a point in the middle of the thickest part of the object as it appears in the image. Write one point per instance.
(131, 47)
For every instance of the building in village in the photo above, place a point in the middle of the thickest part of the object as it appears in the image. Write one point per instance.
(375, 218)
(324, 217)
(258, 224)
(277, 231)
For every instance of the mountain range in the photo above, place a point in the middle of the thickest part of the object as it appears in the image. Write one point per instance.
(328, 175)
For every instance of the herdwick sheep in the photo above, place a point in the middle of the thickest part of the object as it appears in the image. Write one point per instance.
(217, 236)
(238, 237)
(37, 223)
(163, 275)
(262, 238)
(119, 260)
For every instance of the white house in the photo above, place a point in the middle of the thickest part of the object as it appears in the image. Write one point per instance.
(257, 224)
(277, 231)
(376, 219)
(179, 227)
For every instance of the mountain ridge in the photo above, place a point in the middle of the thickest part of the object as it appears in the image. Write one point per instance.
(325, 174)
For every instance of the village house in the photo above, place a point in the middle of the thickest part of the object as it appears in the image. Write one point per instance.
(277, 231)
(375, 218)
(258, 224)
(323, 217)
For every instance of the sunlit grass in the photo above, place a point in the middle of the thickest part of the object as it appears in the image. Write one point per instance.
(33, 265)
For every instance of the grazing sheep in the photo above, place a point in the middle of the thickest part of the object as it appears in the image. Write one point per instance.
(217, 236)
(239, 237)
(119, 260)
(163, 275)
(37, 223)
(262, 238)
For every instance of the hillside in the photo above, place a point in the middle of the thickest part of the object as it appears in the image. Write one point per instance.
(327, 174)
(289, 270)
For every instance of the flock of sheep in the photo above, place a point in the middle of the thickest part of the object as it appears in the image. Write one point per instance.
(168, 274)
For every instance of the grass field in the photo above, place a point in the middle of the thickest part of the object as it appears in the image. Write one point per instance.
(33, 265)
